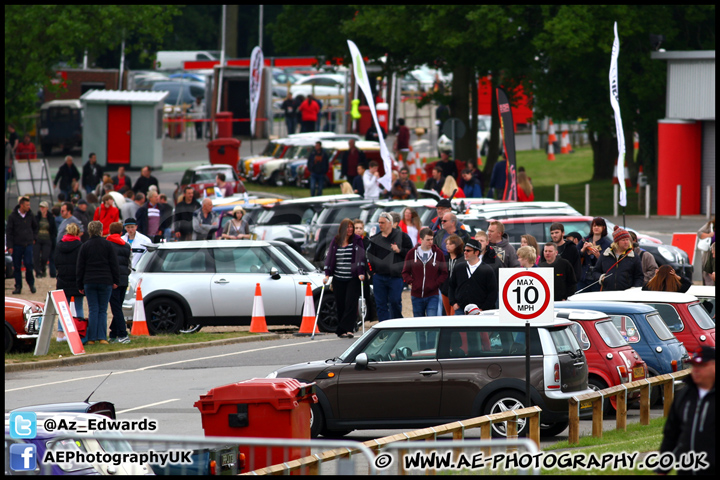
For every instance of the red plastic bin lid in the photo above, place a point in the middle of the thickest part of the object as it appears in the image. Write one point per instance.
(282, 393)
(224, 142)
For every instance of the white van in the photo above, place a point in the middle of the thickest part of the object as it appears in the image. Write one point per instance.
(174, 60)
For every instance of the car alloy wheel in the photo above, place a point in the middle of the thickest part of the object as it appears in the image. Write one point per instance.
(504, 402)
(164, 316)
(328, 318)
(190, 329)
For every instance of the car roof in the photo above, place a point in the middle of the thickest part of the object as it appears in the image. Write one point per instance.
(322, 199)
(580, 314)
(210, 244)
(61, 103)
(500, 205)
(219, 166)
(424, 202)
(489, 318)
(701, 291)
(554, 218)
(635, 295)
(353, 202)
(608, 306)
(345, 144)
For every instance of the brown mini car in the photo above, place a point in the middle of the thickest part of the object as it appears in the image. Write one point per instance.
(22, 322)
(420, 372)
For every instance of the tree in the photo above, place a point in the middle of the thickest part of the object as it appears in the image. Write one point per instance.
(38, 37)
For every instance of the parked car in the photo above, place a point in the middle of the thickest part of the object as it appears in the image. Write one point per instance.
(539, 227)
(22, 322)
(611, 361)
(643, 328)
(278, 146)
(290, 220)
(202, 178)
(213, 283)
(417, 80)
(253, 209)
(280, 80)
(58, 440)
(335, 150)
(682, 313)
(320, 85)
(324, 227)
(180, 92)
(418, 372)
(61, 124)
(706, 295)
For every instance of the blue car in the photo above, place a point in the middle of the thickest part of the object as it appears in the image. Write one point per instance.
(643, 328)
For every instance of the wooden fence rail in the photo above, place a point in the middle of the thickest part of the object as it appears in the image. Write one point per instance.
(311, 463)
(620, 392)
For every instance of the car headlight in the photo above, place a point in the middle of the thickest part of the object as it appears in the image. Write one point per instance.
(263, 168)
(272, 374)
(667, 254)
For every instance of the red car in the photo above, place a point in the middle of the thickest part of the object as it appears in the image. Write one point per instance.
(203, 177)
(611, 361)
(684, 315)
(22, 322)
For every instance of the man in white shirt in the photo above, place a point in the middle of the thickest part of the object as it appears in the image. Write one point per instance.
(136, 240)
(371, 181)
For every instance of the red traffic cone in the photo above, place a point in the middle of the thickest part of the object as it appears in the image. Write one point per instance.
(72, 299)
(139, 325)
(257, 323)
(308, 316)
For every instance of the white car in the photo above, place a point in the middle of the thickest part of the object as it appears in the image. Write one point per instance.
(444, 144)
(320, 85)
(186, 284)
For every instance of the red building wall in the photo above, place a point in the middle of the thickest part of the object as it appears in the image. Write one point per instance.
(679, 163)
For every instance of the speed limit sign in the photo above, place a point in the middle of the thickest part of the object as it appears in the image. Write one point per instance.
(527, 294)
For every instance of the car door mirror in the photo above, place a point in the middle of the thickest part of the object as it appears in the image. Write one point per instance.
(274, 274)
(361, 361)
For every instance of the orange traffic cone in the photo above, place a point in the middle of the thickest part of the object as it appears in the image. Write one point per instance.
(423, 173)
(564, 140)
(73, 312)
(308, 315)
(139, 325)
(552, 138)
(551, 152)
(257, 323)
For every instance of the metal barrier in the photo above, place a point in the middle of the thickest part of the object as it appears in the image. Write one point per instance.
(142, 454)
(620, 393)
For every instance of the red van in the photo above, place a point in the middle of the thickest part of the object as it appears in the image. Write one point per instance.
(611, 361)
(684, 315)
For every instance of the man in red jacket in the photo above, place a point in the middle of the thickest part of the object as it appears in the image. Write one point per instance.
(309, 110)
(25, 149)
(107, 213)
(425, 269)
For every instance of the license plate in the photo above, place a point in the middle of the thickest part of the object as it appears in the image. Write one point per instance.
(586, 404)
(227, 459)
(639, 372)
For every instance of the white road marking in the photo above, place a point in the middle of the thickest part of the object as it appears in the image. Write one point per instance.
(165, 365)
(148, 405)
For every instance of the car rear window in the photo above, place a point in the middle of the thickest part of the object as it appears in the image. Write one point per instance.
(609, 334)
(336, 215)
(659, 327)
(701, 316)
(580, 334)
(670, 316)
(564, 340)
(208, 176)
(191, 260)
(627, 328)
(517, 230)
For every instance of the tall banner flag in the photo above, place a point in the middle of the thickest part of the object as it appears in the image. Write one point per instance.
(257, 62)
(361, 79)
(508, 130)
(615, 102)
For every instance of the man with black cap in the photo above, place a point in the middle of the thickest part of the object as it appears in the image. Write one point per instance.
(473, 282)
(135, 239)
(690, 425)
(443, 206)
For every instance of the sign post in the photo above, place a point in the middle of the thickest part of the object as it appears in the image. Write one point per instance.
(527, 294)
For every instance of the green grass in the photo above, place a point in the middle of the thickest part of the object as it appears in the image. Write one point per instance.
(58, 349)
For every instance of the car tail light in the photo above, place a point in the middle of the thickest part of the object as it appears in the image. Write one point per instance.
(556, 377)
(674, 365)
(317, 235)
(213, 467)
(623, 372)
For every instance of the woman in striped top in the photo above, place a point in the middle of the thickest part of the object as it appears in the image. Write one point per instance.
(346, 263)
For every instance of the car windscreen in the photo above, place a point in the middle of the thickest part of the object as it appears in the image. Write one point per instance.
(283, 216)
(336, 215)
(659, 327)
(701, 316)
(609, 334)
(294, 256)
(208, 176)
(580, 334)
(269, 149)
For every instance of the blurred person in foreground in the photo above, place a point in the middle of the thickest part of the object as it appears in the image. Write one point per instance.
(690, 425)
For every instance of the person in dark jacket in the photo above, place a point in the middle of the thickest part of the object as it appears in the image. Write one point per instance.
(318, 164)
(65, 176)
(618, 267)
(21, 233)
(154, 217)
(690, 425)
(346, 263)
(98, 275)
(473, 282)
(146, 179)
(92, 174)
(425, 270)
(183, 215)
(43, 249)
(564, 274)
(350, 160)
(66, 254)
(590, 249)
(81, 213)
(386, 255)
(118, 329)
(454, 246)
